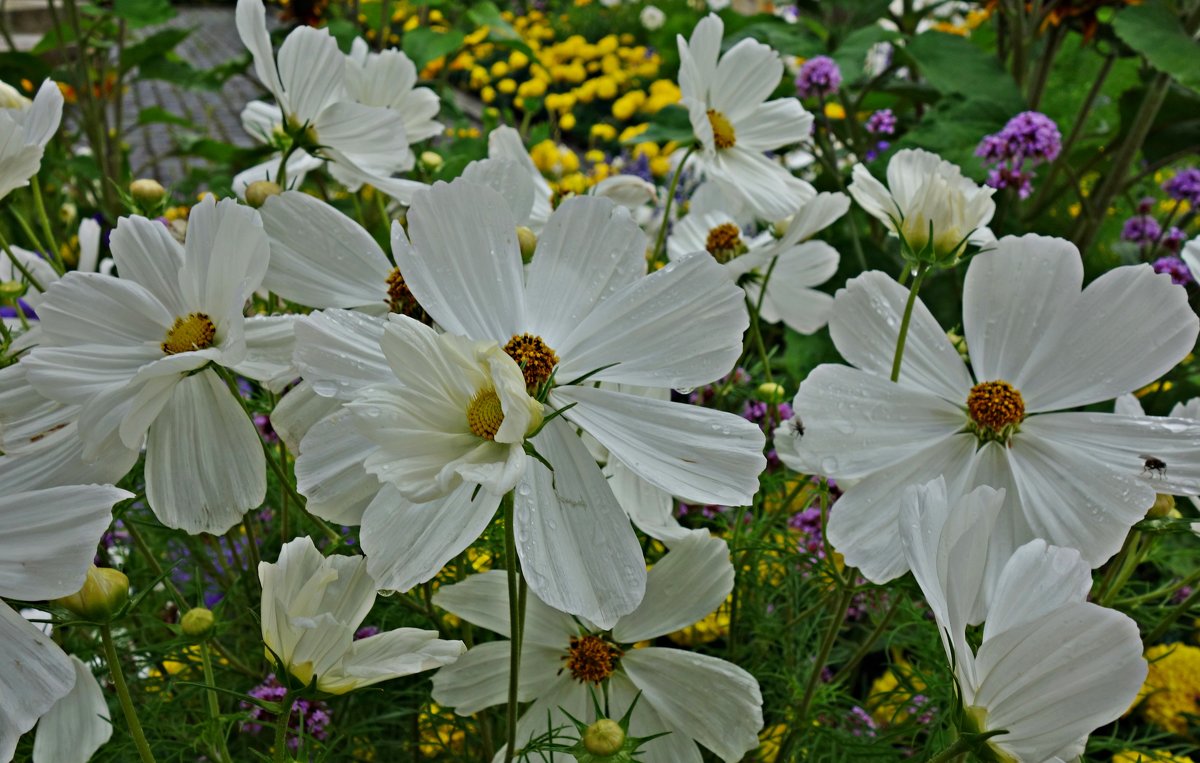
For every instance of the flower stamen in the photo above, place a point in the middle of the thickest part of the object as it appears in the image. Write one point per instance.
(591, 659)
(723, 132)
(401, 300)
(534, 356)
(724, 242)
(485, 414)
(194, 332)
(996, 409)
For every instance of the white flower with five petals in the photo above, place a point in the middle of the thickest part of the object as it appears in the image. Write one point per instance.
(24, 133)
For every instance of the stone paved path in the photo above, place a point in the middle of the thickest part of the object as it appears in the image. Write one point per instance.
(214, 40)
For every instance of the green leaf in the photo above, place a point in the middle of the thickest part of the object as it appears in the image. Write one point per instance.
(424, 45)
(953, 65)
(157, 44)
(158, 115)
(851, 55)
(140, 13)
(1156, 32)
(171, 68)
(954, 127)
(789, 39)
(17, 66)
(499, 31)
(670, 124)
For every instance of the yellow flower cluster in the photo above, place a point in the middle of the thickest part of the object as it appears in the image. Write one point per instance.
(713, 626)
(1132, 756)
(1172, 690)
(892, 694)
(441, 732)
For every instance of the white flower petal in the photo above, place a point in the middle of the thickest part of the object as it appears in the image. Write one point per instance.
(226, 254)
(34, 674)
(1128, 327)
(147, 254)
(270, 343)
(687, 584)
(204, 461)
(577, 549)
(365, 140)
(479, 678)
(680, 326)
(467, 277)
(252, 28)
(820, 212)
(745, 76)
(77, 725)
(698, 454)
(337, 352)
(48, 538)
(865, 323)
(589, 249)
(505, 143)
(1129, 405)
(1012, 295)
(94, 309)
(387, 655)
(789, 296)
(310, 70)
(698, 57)
(320, 257)
(297, 411)
(19, 161)
(330, 473)
(1037, 580)
(673, 747)
(726, 722)
(766, 186)
(42, 117)
(509, 178)
(650, 508)
(482, 600)
(774, 124)
(408, 543)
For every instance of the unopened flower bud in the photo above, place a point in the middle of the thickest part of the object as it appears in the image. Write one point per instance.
(770, 392)
(604, 737)
(103, 594)
(10, 290)
(197, 623)
(432, 160)
(259, 191)
(528, 241)
(147, 192)
(1163, 506)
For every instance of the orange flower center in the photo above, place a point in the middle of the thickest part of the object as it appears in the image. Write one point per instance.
(996, 409)
(536, 359)
(723, 134)
(591, 659)
(194, 332)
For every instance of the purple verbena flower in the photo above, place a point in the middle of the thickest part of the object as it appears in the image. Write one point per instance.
(310, 718)
(1029, 139)
(882, 122)
(1185, 186)
(819, 75)
(1180, 274)
(1142, 230)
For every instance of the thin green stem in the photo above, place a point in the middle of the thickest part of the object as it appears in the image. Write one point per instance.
(34, 282)
(281, 174)
(516, 617)
(214, 709)
(904, 321)
(281, 727)
(55, 257)
(662, 229)
(865, 647)
(118, 677)
(144, 549)
(960, 747)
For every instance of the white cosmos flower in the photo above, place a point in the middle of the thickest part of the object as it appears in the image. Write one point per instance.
(505, 143)
(362, 143)
(77, 725)
(388, 79)
(133, 352)
(48, 535)
(1035, 674)
(698, 699)
(457, 412)
(24, 133)
(1040, 346)
(311, 607)
(735, 123)
(925, 192)
(794, 263)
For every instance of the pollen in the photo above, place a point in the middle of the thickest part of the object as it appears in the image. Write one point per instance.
(996, 409)
(484, 414)
(724, 242)
(591, 659)
(401, 300)
(536, 359)
(194, 332)
(723, 134)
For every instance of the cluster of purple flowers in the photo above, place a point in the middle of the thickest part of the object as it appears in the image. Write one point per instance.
(882, 123)
(819, 76)
(1144, 231)
(1184, 186)
(310, 718)
(1029, 139)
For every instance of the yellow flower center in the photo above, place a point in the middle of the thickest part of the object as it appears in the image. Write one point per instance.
(536, 359)
(484, 414)
(996, 409)
(725, 242)
(195, 332)
(723, 134)
(591, 659)
(401, 300)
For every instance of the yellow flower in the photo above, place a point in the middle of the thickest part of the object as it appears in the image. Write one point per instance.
(606, 88)
(769, 740)
(488, 94)
(499, 69)
(660, 166)
(574, 183)
(544, 156)
(602, 131)
(595, 156)
(508, 86)
(890, 700)
(518, 60)
(1132, 756)
(835, 111)
(566, 122)
(1172, 689)
(533, 88)
(713, 626)
(631, 132)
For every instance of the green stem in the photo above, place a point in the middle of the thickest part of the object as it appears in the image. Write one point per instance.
(281, 727)
(1129, 563)
(662, 229)
(118, 677)
(214, 709)
(516, 617)
(281, 175)
(144, 549)
(40, 206)
(908, 309)
(1160, 630)
(20, 267)
(953, 751)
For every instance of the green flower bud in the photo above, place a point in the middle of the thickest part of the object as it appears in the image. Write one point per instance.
(770, 392)
(10, 290)
(1163, 506)
(103, 594)
(528, 241)
(604, 737)
(197, 623)
(259, 191)
(147, 193)
(432, 160)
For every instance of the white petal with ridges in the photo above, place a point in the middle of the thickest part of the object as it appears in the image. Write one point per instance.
(686, 585)
(78, 724)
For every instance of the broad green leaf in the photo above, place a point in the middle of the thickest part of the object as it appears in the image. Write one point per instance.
(140, 13)
(669, 124)
(953, 65)
(1155, 31)
(157, 44)
(424, 45)
(159, 115)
